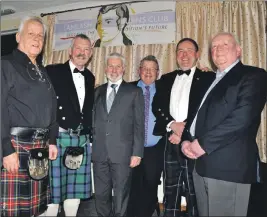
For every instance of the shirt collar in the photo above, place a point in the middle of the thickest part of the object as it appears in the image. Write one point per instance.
(72, 66)
(24, 59)
(143, 85)
(219, 74)
(117, 82)
(193, 69)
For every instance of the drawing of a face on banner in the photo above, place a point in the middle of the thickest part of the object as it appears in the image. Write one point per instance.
(110, 26)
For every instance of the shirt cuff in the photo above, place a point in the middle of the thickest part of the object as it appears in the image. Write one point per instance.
(168, 126)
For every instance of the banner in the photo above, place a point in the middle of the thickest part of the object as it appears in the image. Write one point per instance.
(120, 24)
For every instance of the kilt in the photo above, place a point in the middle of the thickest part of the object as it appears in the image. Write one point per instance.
(66, 183)
(178, 182)
(21, 195)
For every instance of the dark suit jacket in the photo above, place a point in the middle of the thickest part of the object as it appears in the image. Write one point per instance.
(227, 125)
(161, 102)
(119, 134)
(69, 114)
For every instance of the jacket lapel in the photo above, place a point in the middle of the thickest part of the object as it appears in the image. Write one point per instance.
(87, 93)
(118, 96)
(71, 88)
(103, 95)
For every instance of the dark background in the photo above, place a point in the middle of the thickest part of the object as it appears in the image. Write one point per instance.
(8, 44)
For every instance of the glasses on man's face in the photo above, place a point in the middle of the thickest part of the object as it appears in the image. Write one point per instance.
(148, 69)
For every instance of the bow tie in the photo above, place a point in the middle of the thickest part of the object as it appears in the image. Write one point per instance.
(78, 71)
(181, 72)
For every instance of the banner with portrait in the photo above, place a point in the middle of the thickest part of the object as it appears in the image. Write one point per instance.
(118, 24)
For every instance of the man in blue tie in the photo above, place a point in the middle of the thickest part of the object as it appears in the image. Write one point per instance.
(146, 177)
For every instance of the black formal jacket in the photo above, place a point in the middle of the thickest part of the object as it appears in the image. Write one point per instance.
(69, 114)
(227, 125)
(161, 102)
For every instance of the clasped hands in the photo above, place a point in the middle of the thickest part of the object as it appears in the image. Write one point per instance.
(191, 150)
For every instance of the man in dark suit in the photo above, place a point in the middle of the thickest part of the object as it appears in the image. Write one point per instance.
(225, 128)
(146, 177)
(74, 86)
(178, 96)
(118, 138)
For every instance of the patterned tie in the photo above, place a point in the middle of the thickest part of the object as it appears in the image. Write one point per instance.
(111, 97)
(147, 103)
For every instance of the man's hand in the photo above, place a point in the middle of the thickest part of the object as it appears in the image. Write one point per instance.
(177, 128)
(11, 163)
(196, 149)
(52, 152)
(174, 139)
(186, 149)
(135, 161)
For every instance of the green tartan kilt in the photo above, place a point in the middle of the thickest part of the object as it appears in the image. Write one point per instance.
(66, 183)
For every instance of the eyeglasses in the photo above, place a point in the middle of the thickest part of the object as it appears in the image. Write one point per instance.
(149, 69)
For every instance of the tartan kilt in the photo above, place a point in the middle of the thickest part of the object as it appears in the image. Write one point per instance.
(176, 172)
(66, 183)
(21, 195)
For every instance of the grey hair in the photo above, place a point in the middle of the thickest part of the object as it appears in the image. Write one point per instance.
(82, 36)
(116, 55)
(30, 18)
(229, 34)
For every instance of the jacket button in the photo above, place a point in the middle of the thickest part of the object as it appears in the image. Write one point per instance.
(60, 107)
(162, 114)
(167, 118)
(159, 109)
(63, 118)
(107, 134)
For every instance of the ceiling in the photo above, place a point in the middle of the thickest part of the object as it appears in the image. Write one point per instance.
(46, 6)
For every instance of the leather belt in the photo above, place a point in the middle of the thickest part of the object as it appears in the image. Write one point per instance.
(72, 132)
(29, 133)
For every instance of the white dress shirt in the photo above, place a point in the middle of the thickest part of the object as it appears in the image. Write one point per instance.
(79, 83)
(179, 99)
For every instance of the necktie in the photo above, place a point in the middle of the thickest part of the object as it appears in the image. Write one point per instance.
(147, 103)
(181, 72)
(78, 71)
(111, 96)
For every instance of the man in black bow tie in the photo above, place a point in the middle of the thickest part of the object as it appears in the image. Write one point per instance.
(178, 96)
(74, 86)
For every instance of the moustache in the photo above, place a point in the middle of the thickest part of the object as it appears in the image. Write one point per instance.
(81, 55)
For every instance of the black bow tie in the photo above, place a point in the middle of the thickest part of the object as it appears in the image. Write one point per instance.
(78, 71)
(181, 72)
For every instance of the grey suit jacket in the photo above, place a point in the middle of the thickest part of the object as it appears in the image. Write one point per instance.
(119, 134)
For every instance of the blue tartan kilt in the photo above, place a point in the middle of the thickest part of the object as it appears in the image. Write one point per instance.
(66, 183)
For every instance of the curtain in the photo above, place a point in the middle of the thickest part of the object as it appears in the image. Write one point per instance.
(197, 20)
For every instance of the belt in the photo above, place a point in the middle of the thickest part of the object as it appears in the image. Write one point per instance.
(29, 133)
(72, 132)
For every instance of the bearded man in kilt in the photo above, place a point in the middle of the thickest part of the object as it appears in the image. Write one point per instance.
(28, 124)
(74, 86)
